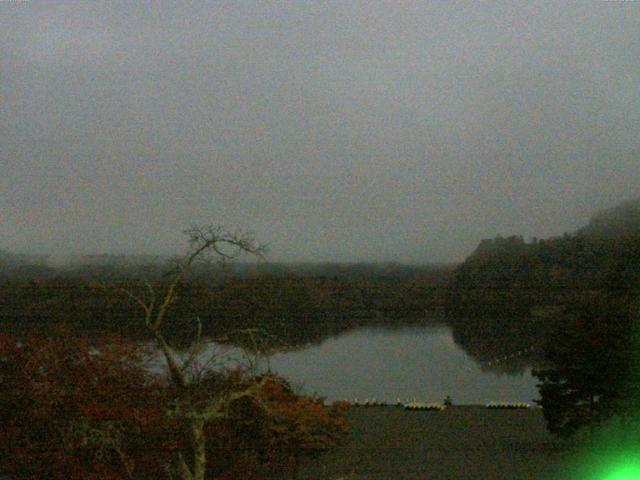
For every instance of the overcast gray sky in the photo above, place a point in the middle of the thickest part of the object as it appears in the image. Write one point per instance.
(341, 131)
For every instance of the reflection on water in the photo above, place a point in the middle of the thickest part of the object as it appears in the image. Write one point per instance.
(421, 362)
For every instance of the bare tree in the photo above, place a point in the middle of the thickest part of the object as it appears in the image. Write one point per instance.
(190, 406)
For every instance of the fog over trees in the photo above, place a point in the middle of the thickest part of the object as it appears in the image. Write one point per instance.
(367, 131)
(466, 167)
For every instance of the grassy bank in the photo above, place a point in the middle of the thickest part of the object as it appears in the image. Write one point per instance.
(462, 442)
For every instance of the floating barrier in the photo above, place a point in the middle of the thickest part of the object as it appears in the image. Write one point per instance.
(503, 358)
(507, 405)
(368, 402)
(415, 405)
(437, 407)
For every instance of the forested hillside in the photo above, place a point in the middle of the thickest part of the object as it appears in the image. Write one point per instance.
(511, 295)
(291, 307)
(620, 221)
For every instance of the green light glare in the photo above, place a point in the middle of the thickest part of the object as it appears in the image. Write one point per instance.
(627, 471)
(621, 466)
(605, 462)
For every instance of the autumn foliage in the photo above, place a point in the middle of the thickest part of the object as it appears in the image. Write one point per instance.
(75, 407)
(273, 433)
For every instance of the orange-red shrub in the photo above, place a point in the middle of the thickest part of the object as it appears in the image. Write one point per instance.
(77, 408)
(80, 408)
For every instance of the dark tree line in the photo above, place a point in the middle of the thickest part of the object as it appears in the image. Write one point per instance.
(295, 309)
(591, 373)
(573, 298)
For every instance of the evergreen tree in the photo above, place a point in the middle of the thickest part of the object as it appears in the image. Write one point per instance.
(590, 364)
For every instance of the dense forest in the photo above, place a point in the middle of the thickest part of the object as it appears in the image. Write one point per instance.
(508, 296)
(513, 296)
(509, 275)
(292, 305)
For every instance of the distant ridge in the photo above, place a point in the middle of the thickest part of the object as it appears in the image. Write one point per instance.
(622, 220)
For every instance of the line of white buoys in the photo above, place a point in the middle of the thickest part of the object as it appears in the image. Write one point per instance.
(502, 358)
(412, 405)
(415, 405)
(368, 402)
(509, 405)
(438, 407)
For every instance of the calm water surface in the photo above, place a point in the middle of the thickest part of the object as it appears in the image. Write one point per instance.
(414, 362)
(417, 362)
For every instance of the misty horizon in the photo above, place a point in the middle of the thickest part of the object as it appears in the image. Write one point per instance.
(610, 221)
(361, 132)
(61, 259)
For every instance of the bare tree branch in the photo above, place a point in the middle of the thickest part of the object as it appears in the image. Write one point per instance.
(186, 375)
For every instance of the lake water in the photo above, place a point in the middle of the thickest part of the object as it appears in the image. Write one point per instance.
(413, 362)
